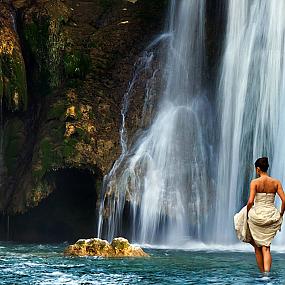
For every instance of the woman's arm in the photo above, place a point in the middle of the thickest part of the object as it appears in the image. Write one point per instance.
(281, 194)
(252, 191)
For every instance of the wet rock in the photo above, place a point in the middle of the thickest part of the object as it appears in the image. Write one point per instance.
(70, 130)
(18, 4)
(70, 112)
(119, 247)
(13, 85)
(76, 57)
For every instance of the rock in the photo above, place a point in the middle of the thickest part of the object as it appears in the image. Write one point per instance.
(13, 85)
(18, 4)
(70, 112)
(77, 60)
(70, 130)
(119, 247)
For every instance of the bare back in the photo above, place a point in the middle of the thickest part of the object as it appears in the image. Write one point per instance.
(266, 184)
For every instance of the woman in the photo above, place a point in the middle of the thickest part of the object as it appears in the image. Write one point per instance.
(264, 220)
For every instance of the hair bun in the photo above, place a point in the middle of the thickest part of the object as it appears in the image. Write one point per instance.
(262, 163)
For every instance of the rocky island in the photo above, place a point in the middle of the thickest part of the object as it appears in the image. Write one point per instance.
(119, 247)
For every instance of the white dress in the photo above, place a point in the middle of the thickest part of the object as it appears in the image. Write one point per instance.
(263, 222)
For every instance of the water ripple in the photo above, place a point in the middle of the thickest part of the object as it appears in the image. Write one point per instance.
(45, 264)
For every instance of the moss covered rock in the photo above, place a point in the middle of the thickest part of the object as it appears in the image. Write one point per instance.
(120, 247)
(80, 57)
(13, 85)
(45, 39)
(19, 4)
(14, 138)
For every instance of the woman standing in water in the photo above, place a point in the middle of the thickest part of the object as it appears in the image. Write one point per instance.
(264, 220)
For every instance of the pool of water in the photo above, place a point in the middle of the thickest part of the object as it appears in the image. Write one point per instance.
(45, 264)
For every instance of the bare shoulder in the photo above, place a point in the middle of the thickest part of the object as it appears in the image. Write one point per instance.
(254, 182)
(273, 181)
(276, 181)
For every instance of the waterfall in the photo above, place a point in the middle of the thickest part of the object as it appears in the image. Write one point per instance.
(164, 183)
(251, 101)
(143, 67)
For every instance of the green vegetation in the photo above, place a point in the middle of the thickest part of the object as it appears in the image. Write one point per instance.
(57, 111)
(76, 64)
(68, 149)
(47, 154)
(36, 34)
(13, 143)
(46, 43)
(13, 86)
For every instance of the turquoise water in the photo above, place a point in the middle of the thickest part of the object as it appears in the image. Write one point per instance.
(45, 264)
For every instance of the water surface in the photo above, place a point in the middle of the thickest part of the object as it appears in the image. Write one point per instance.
(45, 264)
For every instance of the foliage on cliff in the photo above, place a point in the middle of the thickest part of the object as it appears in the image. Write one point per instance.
(76, 57)
(13, 86)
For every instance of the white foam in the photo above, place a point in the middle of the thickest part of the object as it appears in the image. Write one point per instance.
(200, 246)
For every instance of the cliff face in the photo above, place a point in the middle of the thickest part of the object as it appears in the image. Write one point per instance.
(64, 68)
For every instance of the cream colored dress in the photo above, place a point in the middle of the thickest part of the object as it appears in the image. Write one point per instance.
(241, 226)
(264, 220)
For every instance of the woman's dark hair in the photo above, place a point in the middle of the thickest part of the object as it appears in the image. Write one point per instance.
(262, 163)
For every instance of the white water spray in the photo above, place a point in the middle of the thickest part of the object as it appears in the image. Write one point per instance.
(252, 103)
(164, 183)
(143, 67)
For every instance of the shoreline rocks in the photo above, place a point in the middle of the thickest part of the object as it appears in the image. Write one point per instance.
(119, 247)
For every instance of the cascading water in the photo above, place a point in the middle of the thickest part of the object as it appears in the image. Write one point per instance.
(252, 103)
(144, 66)
(164, 182)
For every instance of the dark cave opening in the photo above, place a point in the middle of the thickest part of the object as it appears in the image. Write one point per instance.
(67, 214)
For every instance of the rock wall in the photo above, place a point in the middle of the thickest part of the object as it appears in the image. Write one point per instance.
(64, 68)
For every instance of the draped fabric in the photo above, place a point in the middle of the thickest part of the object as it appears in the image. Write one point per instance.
(241, 225)
(263, 222)
(264, 219)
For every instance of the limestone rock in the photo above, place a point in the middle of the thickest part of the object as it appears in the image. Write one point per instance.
(77, 63)
(70, 130)
(70, 112)
(18, 4)
(119, 247)
(13, 85)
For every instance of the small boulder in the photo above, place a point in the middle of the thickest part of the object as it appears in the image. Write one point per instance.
(119, 247)
(18, 4)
